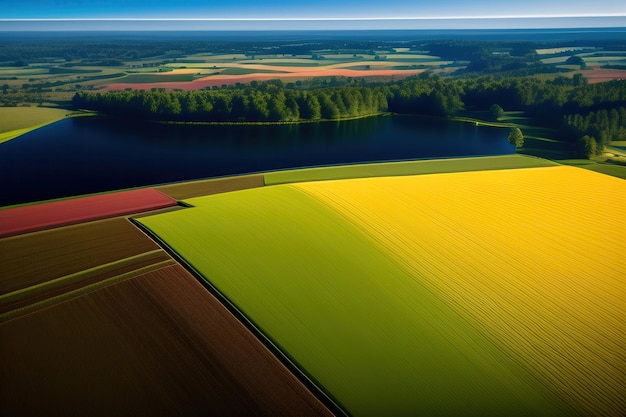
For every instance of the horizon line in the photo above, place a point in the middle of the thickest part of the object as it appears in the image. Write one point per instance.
(313, 19)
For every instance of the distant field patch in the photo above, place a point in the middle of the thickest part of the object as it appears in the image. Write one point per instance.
(20, 72)
(231, 57)
(147, 78)
(550, 51)
(18, 220)
(598, 75)
(415, 57)
(555, 60)
(290, 61)
(245, 71)
(605, 60)
(262, 75)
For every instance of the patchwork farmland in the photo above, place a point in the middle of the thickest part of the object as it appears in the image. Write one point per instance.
(426, 288)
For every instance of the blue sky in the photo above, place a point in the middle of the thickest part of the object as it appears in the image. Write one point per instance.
(451, 10)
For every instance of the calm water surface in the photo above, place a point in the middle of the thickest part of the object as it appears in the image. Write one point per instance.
(93, 154)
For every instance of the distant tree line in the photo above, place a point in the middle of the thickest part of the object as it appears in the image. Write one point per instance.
(258, 102)
(547, 101)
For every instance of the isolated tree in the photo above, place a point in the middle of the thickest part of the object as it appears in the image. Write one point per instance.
(495, 112)
(516, 137)
(576, 60)
(589, 146)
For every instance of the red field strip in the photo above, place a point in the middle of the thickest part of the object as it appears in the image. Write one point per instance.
(26, 219)
(601, 75)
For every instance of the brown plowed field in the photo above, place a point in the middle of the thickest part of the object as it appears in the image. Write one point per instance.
(51, 292)
(219, 80)
(34, 258)
(155, 345)
(208, 187)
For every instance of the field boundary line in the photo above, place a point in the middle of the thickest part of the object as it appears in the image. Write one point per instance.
(84, 290)
(76, 276)
(283, 357)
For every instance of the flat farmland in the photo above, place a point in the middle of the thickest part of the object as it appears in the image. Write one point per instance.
(157, 345)
(237, 68)
(354, 320)
(225, 79)
(382, 292)
(393, 300)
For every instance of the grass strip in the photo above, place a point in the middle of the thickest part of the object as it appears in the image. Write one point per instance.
(431, 166)
(84, 290)
(78, 276)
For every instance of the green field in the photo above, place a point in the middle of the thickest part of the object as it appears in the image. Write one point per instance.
(356, 322)
(147, 78)
(614, 170)
(16, 121)
(245, 71)
(433, 166)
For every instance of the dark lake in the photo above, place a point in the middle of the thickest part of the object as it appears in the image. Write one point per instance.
(93, 154)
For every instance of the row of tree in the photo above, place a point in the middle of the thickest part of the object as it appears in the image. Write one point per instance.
(266, 102)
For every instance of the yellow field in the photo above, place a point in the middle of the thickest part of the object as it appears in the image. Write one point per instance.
(531, 257)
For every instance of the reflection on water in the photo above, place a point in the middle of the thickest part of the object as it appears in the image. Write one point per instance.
(93, 154)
